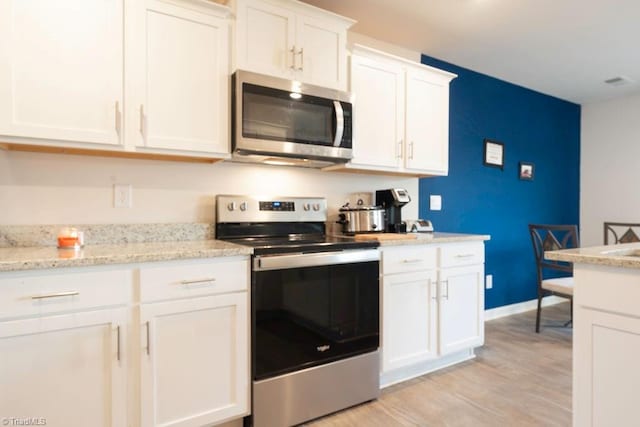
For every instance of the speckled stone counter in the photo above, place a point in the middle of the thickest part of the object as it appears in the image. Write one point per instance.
(625, 255)
(437, 237)
(35, 258)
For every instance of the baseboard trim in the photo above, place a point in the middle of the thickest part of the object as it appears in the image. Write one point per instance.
(521, 307)
(412, 371)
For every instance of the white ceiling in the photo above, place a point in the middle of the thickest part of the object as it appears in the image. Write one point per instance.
(564, 48)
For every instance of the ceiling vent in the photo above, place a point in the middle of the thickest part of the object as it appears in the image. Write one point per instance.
(619, 81)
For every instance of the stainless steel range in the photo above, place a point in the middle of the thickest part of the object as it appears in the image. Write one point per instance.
(314, 308)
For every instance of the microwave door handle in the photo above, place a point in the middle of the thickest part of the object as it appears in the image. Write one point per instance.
(339, 123)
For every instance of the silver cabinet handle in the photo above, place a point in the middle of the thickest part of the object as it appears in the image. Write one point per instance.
(400, 149)
(464, 255)
(293, 57)
(118, 120)
(446, 283)
(434, 290)
(412, 261)
(118, 343)
(148, 339)
(143, 124)
(56, 295)
(411, 150)
(191, 282)
(301, 53)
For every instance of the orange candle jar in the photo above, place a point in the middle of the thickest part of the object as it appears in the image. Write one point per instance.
(68, 238)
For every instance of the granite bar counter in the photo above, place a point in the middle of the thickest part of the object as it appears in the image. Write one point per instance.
(625, 255)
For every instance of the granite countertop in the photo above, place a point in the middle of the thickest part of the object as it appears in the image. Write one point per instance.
(34, 258)
(625, 255)
(435, 237)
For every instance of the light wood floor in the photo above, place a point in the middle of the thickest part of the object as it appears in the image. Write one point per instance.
(519, 378)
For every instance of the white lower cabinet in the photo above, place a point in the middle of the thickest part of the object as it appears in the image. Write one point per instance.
(63, 351)
(409, 313)
(65, 370)
(194, 367)
(70, 354)
(432, 307)
(461, 309)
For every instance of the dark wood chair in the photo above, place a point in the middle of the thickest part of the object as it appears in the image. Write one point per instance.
(621, 232)
(546, 237)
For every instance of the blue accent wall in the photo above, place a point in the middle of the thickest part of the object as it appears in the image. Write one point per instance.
(477, 199)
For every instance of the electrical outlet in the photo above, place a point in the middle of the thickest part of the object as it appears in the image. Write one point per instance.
(122, 196)
(488, 282)
(435, 202)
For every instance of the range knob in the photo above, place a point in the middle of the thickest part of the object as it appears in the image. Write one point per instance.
(306, 206)
(243, 206)
(231, 206)
(316, 206)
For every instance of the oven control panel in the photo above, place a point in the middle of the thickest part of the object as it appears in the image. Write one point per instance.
(270, 209)
(277, 205)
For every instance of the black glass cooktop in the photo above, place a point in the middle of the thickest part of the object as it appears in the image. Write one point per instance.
(302, 244)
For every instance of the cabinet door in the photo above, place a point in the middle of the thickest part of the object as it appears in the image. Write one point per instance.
(323, 53)
(61, 71)
(606, 376)
(266, 39)
(461, 313)
(184, 79)
(379, 112)
(67, 370)
(195, 363)
(409, 319)
(427, 123)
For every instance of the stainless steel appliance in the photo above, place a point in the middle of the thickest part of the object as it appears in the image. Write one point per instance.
(361, 219)
(392, 201)
(278, 121)
(314, 308)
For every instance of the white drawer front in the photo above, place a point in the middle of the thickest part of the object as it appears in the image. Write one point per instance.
(52, 291)
(183, 279)
(404, 259)
(459, 254)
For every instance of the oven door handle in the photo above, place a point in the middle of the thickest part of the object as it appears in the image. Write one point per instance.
(337, 107)
(285, 262)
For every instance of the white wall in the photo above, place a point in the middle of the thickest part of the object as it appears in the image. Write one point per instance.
(610, 166)
(38, 188)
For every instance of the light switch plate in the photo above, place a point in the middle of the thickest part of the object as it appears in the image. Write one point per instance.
(122, 196)
(435, 202)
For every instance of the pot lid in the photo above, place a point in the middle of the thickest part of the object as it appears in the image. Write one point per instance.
(347, 208)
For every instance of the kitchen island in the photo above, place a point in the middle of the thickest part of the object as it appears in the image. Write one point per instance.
(606, 335)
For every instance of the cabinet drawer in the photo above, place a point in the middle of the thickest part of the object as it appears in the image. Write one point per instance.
(454, 254)
(184, 279)
(27, 294)
(408, 258)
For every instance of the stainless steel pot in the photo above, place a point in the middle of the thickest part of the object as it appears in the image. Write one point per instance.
(361, 219)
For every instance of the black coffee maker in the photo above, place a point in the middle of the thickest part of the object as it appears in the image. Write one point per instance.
(392, 201)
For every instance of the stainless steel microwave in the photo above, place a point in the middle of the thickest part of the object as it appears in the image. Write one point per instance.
(286, 122)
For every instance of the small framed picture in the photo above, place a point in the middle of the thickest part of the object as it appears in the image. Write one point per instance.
(526, 171)
(493, 153)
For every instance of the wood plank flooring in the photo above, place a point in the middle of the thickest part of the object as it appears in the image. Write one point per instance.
(519, 378)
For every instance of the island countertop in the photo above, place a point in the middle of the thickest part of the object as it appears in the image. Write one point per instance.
(624, 255)
(36, 258)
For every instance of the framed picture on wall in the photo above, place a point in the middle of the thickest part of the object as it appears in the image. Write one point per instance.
(493, 153)
(526, 171)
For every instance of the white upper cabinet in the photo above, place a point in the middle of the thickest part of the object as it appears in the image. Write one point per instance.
(427, 122)
(141, 76)
(290, 39)
(180, 77)
(380, 124)
(61, 70)
(401, 115)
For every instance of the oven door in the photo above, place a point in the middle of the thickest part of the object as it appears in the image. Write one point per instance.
(312, 309)
(285, 118)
